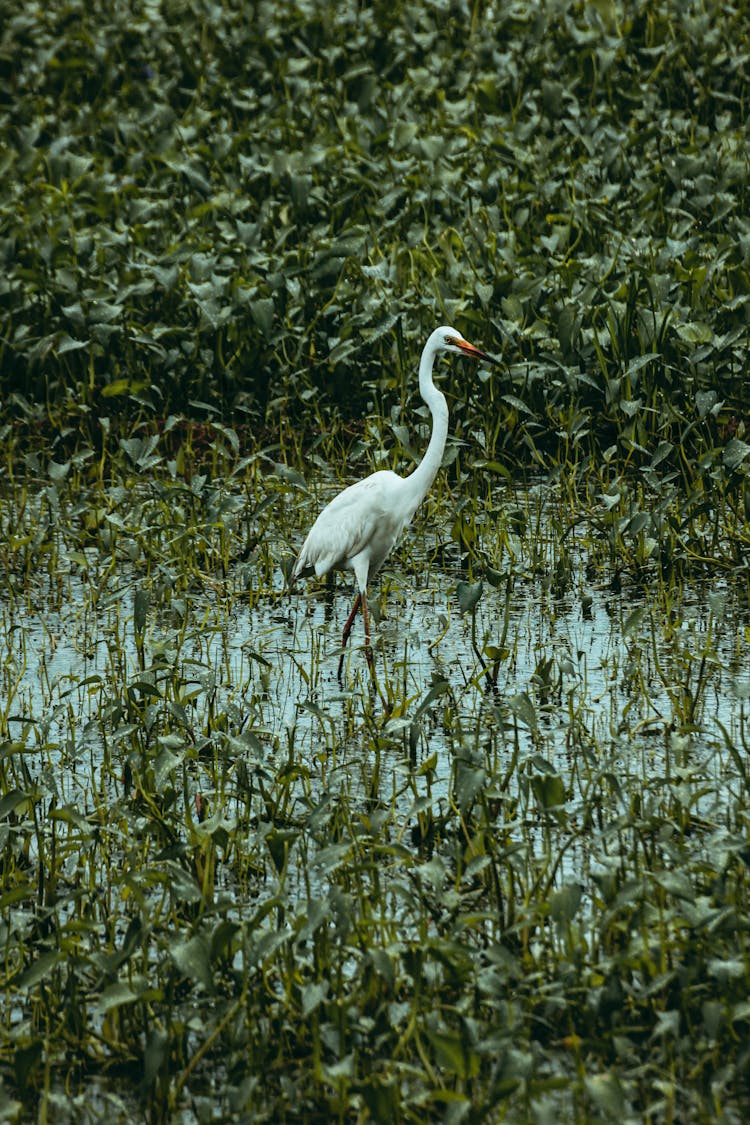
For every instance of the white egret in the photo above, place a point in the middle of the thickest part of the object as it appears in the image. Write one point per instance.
(360, 526)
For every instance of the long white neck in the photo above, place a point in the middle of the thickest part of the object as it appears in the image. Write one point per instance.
(418, 483)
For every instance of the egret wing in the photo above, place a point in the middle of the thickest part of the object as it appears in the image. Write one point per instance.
(359, 519)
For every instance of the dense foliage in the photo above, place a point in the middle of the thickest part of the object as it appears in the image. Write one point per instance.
(246, 205)
(480, 890)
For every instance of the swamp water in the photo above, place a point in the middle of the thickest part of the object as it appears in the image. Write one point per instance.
(551, 692)
(188, 791)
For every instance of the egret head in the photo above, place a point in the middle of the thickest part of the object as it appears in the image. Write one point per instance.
(446, 339)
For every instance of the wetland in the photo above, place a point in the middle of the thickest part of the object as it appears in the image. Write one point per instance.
(506, 878)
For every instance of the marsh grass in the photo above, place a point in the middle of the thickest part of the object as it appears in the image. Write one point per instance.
(231, 886)
(511, 881)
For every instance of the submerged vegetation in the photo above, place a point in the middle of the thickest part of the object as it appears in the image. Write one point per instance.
(512, 882)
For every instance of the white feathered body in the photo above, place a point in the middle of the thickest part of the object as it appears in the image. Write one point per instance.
(357, 530)
(361, 525)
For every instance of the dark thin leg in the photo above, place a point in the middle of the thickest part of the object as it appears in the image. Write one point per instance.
(361, 601)
(350, 620)
(347, 631)
(366, 616)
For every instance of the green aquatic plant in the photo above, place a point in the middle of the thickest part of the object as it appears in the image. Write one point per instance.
(229, 887)
(217, 863)
(563, 187)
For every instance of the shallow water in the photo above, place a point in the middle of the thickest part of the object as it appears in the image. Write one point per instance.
(580, 716)
(575, 678)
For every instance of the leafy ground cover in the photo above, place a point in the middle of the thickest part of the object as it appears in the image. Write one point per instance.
(241, 205)
(512, 884)
(234, 890)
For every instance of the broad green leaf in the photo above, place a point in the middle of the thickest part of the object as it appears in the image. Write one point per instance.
(40, 969)
(115, 996)
(68, 814)
(727, 968)
(12, 801)
(192, 959)
(695, 333)
(707, 403)
(469, 782)
(116, 387)
(661, 452)
(141, 603)
(563, 904)
(549, 790)
(677, 883)
(518, 404)
(633, 620)
(522, 706)
(606, 1093)
(453, 1053)
(469, 594)
(313, 995)
(439, 687)
(69, 344)
(735, 452)
(262, 312)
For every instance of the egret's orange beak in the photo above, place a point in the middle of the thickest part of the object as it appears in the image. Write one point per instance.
(469, 349)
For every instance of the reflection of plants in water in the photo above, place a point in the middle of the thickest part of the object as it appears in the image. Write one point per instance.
(210, 850)
(229, 887)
